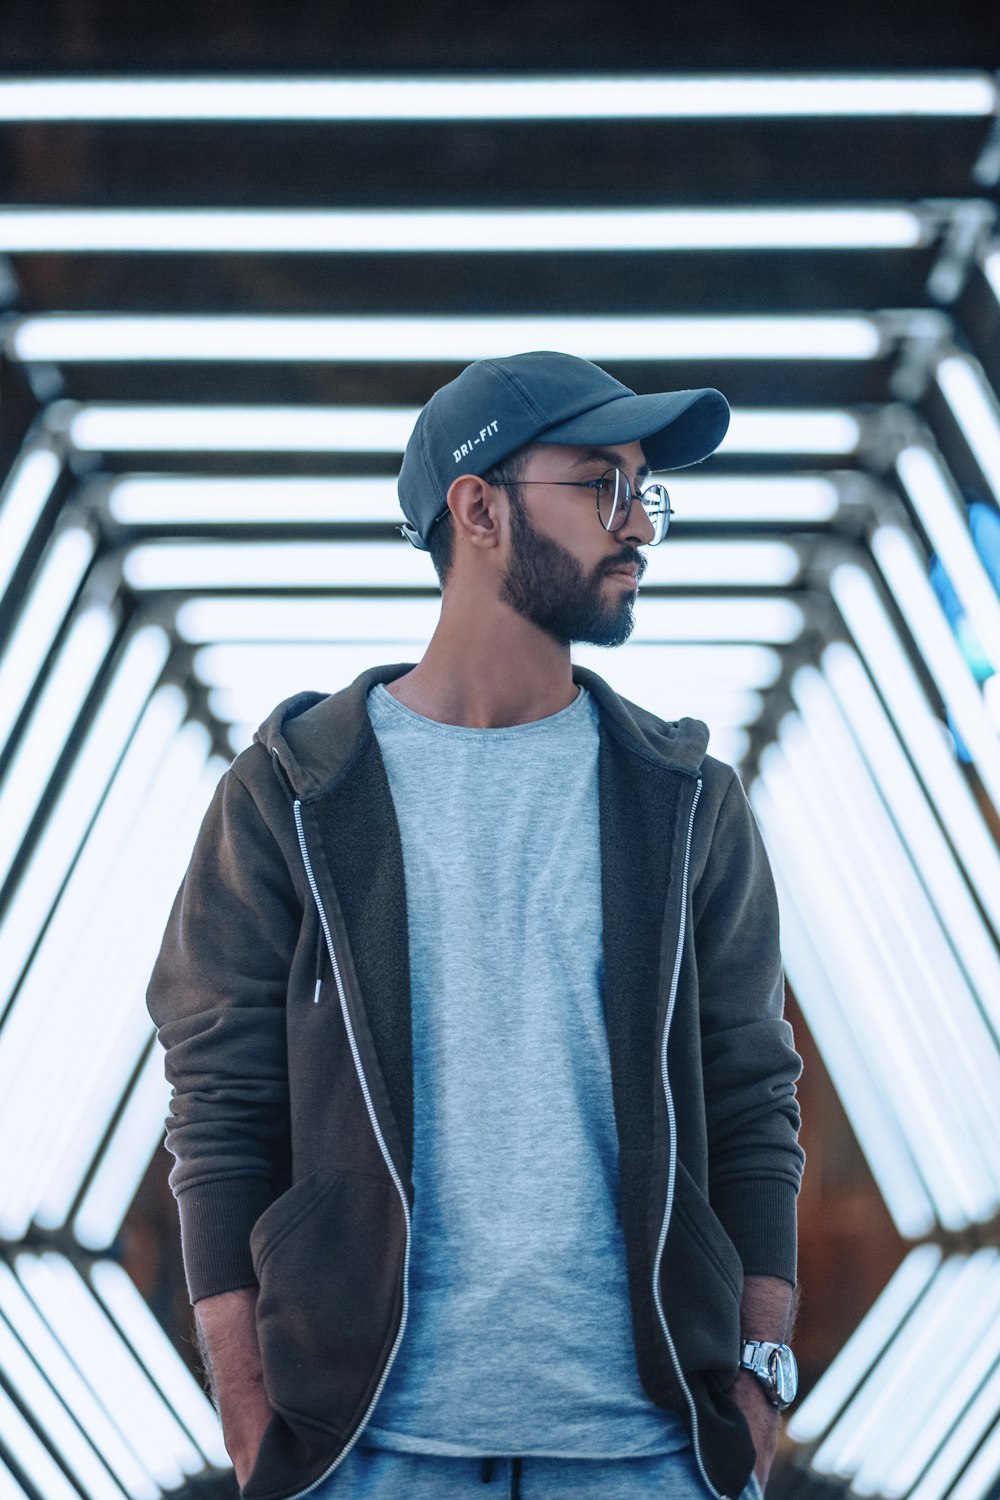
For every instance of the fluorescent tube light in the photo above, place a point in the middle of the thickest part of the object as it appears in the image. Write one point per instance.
(743, 666)
(31, 1455)
(141, 1330)
(44, 611)
(322, 618)
(791, 431)
(100, 1354)
(166, 500)
(866, 989)
(249, 702)
(122, 427)
(437, 231)
(912, 1028)
(942, 515)
(56, 710)
(975, 409)
(120, 1170)
(22, 501)
(875, 1127)
(75, 1393)
(945, 1010)
(919, 730)
(855, 1359)
(114, 969)
(992, 268)
(969, 1356)
(865, 1437)
(69, 818)
(350, 564)
(906, 574)
(976, 1421)
(918, 826)
(404, 339)
(46, 1030)
(34, 1392)
(593, 96)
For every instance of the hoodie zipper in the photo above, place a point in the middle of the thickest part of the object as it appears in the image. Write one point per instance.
(314, 888)
(672, 1169)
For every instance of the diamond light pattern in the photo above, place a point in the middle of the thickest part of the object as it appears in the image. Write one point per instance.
(197, 517)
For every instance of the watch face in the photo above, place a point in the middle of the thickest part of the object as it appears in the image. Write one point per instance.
(784, 1374)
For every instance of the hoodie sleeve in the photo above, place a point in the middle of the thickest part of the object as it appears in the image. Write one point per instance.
(217, 997)
(749, 1060)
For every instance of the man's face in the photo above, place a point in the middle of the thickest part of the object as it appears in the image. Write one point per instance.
(560, 571)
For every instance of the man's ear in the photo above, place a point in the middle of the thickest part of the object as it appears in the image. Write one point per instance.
(477, 510)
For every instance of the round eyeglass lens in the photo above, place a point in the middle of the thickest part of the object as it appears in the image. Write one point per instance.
(656, 503)
(612, 499)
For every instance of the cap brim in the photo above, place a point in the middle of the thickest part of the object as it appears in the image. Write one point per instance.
(676, 428)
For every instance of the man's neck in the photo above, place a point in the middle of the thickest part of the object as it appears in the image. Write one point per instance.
(472, 676)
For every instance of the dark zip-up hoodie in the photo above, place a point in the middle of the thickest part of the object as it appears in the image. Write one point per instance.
(282, 998)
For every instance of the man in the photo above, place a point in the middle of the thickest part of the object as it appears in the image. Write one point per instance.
(484, 1108)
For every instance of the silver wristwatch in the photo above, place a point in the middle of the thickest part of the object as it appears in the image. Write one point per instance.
(774, 1366)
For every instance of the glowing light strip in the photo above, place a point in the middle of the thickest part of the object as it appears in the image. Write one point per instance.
(138, 1326)
(976, 411)
(906, 573)
(991, 266)
(869, 994)
(942, 515)
(843, 1375)
(123, 427)
(44, 611)
(900, 999)
(60, 1430)
(68, 820)
(745, 666)
(192, 565)
(919, 730)
(56, 709)
(945, 1021)
(113, 972)
(918, 826)
(875, 1126)
(21, 503)
(440, 231)
(31, 1455)
(158, 500)
(99, 1352)
(445, 97)
(380, 340)
(76, 1394)
(378, 621)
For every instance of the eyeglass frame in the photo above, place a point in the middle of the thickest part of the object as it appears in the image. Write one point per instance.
(630, 495)
(575, 484)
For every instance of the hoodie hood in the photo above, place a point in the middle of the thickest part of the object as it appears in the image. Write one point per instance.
(316, 736)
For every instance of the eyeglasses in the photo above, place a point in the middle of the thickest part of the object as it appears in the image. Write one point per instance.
(614, 497)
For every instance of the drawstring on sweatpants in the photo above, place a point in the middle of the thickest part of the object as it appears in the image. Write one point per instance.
(515, 1475)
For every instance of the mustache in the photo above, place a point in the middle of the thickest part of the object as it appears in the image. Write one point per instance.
(628, 560)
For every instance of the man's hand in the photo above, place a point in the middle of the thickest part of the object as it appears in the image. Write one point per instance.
(227, 1333)
(762, 1419)
(767, 1310)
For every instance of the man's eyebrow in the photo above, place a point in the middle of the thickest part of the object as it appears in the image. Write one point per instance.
(611, 458)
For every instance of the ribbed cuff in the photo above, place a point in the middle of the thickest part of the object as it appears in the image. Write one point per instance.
(216, 1220)
(759, 1216)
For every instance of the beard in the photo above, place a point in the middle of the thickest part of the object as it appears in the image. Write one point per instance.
(545, 583)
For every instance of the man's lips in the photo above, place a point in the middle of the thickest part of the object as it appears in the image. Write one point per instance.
(632, 573)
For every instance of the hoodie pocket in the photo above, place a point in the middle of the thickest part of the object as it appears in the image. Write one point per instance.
(702, 1282)
(328, 1257)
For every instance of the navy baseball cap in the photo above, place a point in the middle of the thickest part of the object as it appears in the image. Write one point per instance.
(498, 405)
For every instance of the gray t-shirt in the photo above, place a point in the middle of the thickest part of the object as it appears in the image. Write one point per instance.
(519, 1334)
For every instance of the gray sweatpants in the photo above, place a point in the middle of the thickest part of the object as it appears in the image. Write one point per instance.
(375, 1474)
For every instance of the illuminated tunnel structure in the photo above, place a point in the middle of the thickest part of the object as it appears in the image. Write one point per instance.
(202, 409)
